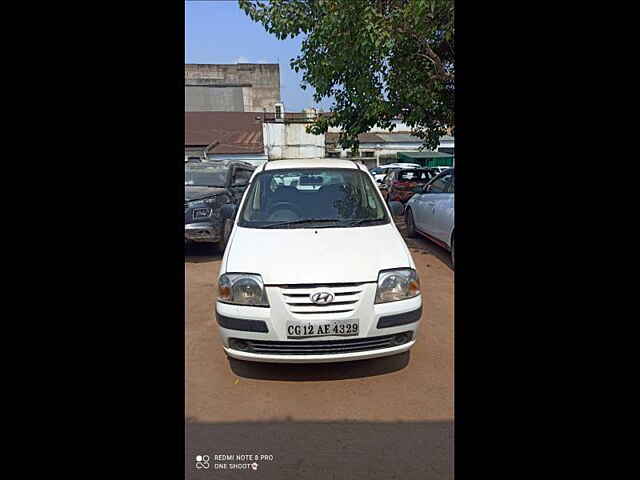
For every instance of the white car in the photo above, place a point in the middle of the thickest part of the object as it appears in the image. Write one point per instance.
(430, 211)
(316, 274)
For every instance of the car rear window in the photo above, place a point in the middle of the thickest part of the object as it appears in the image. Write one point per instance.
(413, 176)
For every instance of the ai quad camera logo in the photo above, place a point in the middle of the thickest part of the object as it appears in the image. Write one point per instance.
(322, 297)
(202, 461)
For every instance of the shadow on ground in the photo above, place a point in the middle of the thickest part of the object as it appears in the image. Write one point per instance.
(319, 371)
(201, 252)
(324, 450)
(423, 246)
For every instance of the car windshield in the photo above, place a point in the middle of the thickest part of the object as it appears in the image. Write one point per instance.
(312, 198)
(202, 175)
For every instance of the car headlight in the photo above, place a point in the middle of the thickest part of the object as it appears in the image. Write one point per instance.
(397, 284)
(242, 289)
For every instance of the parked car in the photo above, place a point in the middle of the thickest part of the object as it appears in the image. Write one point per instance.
(380, 172)
(316, 274)
(207, 187)
(399, 185)
(430, 212)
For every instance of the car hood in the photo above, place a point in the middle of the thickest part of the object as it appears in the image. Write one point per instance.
(323, 255)
(193, 193)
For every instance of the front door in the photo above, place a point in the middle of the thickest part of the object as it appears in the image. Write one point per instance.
(428, 200)
(443, 210)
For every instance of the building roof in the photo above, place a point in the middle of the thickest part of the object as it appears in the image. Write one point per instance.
(237, 132)
(295, 117)
(424, 154)
(391, 137)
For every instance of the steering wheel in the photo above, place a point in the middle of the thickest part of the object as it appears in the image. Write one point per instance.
(285, 211)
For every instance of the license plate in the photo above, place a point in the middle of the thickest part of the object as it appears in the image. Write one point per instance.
(328, 328)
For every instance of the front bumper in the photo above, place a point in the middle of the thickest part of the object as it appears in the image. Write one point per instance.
(327, 358)
(201, 232)
(269, 324)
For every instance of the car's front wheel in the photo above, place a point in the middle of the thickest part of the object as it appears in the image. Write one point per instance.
(411, 226)
(453, 252)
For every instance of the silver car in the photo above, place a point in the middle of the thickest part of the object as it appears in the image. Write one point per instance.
(430, 212)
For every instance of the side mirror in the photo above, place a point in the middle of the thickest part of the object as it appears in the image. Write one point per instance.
(228, 210)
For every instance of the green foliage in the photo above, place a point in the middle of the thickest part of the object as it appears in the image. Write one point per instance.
(379, 59)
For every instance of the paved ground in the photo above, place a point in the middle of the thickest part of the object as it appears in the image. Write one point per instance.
(373, 419)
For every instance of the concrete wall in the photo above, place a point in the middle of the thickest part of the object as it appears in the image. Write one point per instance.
(260, 83)
(290, 140)
(208, 98)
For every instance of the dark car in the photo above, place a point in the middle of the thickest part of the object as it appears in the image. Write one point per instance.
(208, 186)
(399, 185)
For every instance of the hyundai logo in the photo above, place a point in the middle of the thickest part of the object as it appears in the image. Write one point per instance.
(322, 298)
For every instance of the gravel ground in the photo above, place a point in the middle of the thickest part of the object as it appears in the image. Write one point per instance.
(384, 418)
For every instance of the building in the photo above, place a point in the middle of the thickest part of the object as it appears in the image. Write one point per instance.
(224, 135)
(286, 136)
(242, 87)
(382, 146)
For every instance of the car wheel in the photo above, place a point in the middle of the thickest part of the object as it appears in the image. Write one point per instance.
(453, 252)
(224, 238)
(411, 226)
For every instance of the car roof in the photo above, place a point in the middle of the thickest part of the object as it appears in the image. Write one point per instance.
(400, 165)
(311, 163)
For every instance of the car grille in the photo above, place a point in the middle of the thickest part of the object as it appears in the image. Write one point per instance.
(326, 347)
(346, 298)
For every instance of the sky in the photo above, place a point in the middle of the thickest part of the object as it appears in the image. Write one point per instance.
(218, 31)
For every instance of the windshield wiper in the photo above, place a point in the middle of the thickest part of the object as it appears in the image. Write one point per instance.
(362, 221)
(299, 222)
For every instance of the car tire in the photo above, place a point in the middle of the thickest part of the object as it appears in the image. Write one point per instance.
(411, 225)
(224, 235)
(453, 252)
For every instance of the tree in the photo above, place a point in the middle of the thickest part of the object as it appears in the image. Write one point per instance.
(378, 59)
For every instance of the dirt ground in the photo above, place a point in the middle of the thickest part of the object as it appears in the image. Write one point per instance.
(383, 418)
